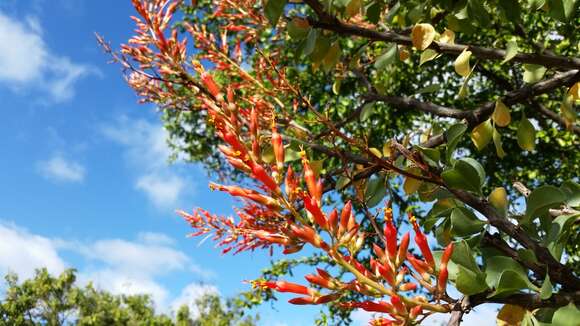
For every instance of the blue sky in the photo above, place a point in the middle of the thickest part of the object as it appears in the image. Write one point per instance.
(84, 178)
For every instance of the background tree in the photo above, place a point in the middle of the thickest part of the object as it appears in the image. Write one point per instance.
(374, 99)
(57, 300)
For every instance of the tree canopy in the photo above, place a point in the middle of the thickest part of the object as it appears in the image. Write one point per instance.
(58, 300)
(459, 114)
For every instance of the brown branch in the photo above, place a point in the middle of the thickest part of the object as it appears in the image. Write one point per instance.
(331, 23)
(555, 116)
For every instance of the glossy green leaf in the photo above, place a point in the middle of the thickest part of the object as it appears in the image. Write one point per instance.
(546, 290)
(387, 58)
(273, 9)
(453, 136)
(509, 282)
(466, 174)
(469, 282)
(463, 256)
(566, 316)
(543, 198)
(464, 222)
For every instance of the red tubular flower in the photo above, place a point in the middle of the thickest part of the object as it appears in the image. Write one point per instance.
(210, 84)
(398, 305)
(381, 322)
(311, 206)
(313, 299)
(260, 174)
(408, 287)
(443, 273)
(283, 286)
(291, 184)
(309, 177)
(308, 234)
(278, 147)
(345, 216)
(384, 270)
(390, 233)
(380, 306)
(421, 241)
(415, 312)
(333, 220)
(254, 124)
(319, 280)
(403, 247)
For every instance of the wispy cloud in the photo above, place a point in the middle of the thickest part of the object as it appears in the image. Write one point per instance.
(59, 169)
(147, 152)
(27, 64)
(120, 266)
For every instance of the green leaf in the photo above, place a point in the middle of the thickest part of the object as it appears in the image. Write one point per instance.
(566, 316)
(462, 256)
(511, 50)
(464, 222)
(572, 191)
(509, 282)
(495, 266)
(546, 290)
(562, 9)
(543, 198)
(291, 154)
(533, 73)
(387, 58)
(296, 30)
(526, 135)
(453, 136)
(466, 174)
(411, 185)
(367, 111)
(273, 10)
(469, 282)
(428, 55)
(429, 89)
(375, 192)
(310, 41)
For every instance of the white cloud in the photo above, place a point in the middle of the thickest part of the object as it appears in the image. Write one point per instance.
(22, 252)
(27, 64)
(117, 265)
(190, 294)
(59, 169)
(147, 152)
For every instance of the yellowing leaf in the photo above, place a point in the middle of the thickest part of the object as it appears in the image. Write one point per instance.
(526, 135)
(428, 55)
(353, 8)
(501, 114)
(447, 37)
(567, 110)
(387, 151)
(403, 53)
(482, 134)
(498, 199)
(422, 36)
(411, 185)
(376, 152)
(511, 50)
(498, 144)
(332, 56)
(574, 91)
(462, 63)
(533, 73)
(510, 315)
(336, 86)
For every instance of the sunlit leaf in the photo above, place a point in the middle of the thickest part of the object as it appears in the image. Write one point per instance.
(482, 134)
(526, 135)
(501, 114)
(533, 73)
(510, 315)
(498, 144)
(422, 35)
(511, 50)
(461, 63)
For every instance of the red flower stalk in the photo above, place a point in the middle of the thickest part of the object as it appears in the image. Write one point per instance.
(421, 241)
(311, 206)
(403, 247)
(390, 233)
(210, 84)
(260, 173)
(254, 124)
(443, 273)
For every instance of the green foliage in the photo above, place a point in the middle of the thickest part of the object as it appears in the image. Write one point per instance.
(50, 300)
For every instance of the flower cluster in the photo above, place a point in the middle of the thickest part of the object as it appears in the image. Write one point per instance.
(285, 206)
